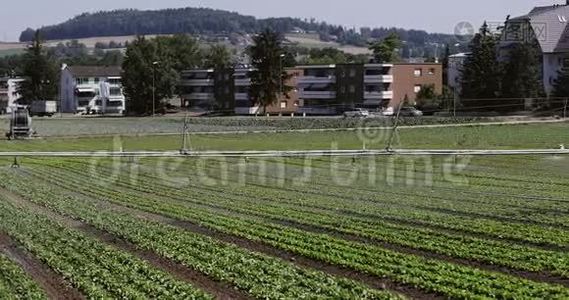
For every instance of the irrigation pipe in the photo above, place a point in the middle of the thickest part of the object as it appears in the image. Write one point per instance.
(306, 153)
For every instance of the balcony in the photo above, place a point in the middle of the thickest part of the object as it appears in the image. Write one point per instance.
(314, 79)
(317, 94)
(378, 79)
(197, 82)
(199, 96)
(378, 95)
(241, 96)
(243, 82)
(88, 87)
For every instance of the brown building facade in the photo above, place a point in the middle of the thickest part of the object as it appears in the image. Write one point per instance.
(410, 78)
(316, 89)
(284, 105)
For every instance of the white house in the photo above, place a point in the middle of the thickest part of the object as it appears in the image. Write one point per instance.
(91, 90)
(455, 65)
(9, 93)
(549, 26)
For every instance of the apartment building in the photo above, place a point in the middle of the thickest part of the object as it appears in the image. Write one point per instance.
(332, 89)
(8, 93)
(197, 88)
(410, 78)
(92, 90)
(228, 91)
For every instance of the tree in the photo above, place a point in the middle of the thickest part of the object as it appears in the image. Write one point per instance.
(446, 65)
(156, 63)
(427, 99)
(481, 74)
(561, 84)
(522, 76)
(143, 70)
(326, 56)
(427, 92)
(386, 51)
(111, 58)
(218, 57)
(268, 79)
(181, 50)
(40, 74)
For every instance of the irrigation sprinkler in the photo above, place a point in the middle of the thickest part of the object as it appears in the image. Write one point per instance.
(394, 129)
(15, 164)
(186, 142)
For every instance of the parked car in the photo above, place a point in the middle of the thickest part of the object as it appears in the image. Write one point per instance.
(356, 113)
(406, 111)
(409, 111)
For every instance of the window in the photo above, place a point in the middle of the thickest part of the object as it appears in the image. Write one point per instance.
(96, 80)
(283, 104)
(115, 91)
(114, 81)
(343, 89)
(352, 89)
(352, 72)
(432, 71)
(226, 76)
(418, 72)
(80, 80)
(296, 103)
(417, 88)
(227, 91)
(114, 103)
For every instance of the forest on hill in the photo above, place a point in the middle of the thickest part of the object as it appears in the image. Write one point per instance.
(205, 21)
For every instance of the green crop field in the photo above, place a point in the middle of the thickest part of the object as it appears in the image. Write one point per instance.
(459, 227)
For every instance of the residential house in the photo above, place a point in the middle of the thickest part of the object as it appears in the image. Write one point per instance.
(455, 66)
(548, 25)
(92, 90)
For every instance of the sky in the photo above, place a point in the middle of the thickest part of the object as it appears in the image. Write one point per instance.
(433, 16)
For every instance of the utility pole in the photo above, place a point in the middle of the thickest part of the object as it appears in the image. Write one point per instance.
(454, 101)
(565, 109)
(154, 64)
(281, 57)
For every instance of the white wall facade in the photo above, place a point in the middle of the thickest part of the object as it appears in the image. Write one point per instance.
(83, 94)
(552, 63)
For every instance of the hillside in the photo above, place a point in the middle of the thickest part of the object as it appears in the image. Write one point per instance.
(206, 21)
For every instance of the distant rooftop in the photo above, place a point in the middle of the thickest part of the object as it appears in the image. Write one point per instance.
(550, 25)
(94, 71)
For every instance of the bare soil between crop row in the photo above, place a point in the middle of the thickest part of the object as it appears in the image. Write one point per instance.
(217, 289)
(53, 285)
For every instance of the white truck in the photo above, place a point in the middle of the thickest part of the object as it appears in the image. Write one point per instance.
(43, 108)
